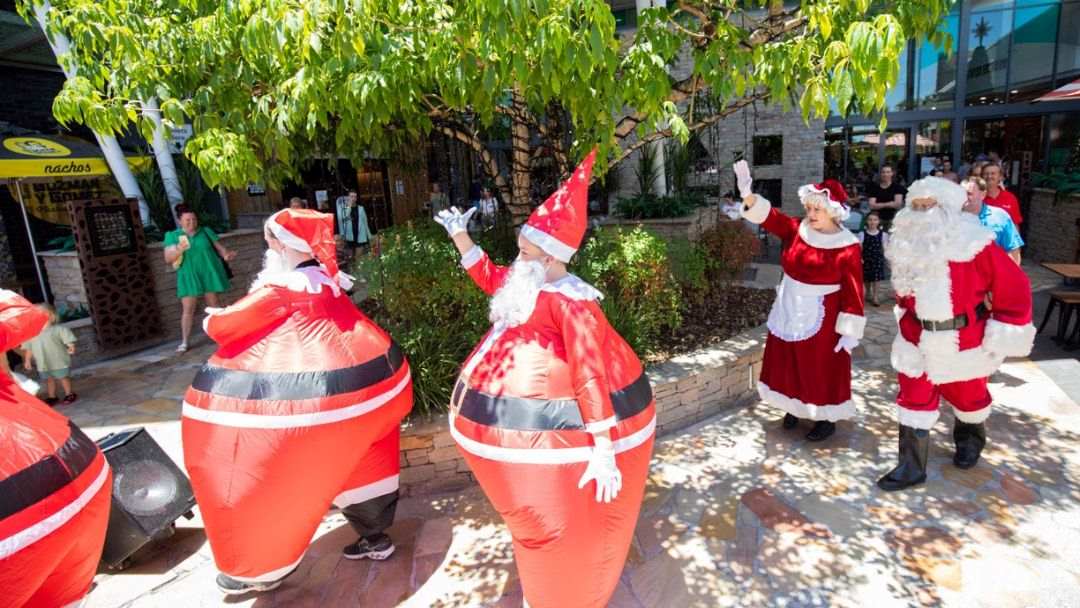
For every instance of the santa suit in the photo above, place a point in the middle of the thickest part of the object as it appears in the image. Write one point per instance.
(527, 399)
(819, 299)
(55, 487)
(298, 409)
(955, 363)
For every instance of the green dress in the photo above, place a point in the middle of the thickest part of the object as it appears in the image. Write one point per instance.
(202, 270)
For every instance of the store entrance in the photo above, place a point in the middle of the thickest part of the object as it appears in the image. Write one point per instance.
(1016, 141)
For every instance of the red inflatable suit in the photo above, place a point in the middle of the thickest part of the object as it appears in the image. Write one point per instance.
(526, 402)
(55, 487)
(299, 409)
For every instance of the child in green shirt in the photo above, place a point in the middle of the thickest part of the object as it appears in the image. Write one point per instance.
(51, 352)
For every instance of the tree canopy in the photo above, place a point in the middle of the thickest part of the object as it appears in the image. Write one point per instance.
(271, 84)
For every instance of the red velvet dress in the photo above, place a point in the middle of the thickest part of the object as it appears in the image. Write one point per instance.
(55, 487)
(525, 402)
(299, 409)
(820, 298)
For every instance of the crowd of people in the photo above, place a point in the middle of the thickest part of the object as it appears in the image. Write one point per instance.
(299, 409)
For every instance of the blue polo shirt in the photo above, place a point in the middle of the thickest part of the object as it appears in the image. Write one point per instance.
(1005, 233)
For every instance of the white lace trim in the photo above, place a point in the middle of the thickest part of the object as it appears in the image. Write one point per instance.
(836, 240)
(809, 411)
(799, 309)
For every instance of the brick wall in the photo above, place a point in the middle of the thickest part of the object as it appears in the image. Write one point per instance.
(687, 389)
(65, 280)
(1052, 235)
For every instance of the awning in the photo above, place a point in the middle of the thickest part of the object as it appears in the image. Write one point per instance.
(1069, 91)
(54, 157)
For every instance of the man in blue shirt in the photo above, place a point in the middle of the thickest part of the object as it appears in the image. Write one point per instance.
(997, 220)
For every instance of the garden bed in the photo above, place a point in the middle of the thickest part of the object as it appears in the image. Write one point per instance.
(723, 313)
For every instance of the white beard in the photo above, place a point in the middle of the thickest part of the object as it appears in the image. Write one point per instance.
(920, 246)
(274, 267)
(514, 302)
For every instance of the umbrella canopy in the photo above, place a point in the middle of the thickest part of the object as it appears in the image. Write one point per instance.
(39, 156)
(1069, 91)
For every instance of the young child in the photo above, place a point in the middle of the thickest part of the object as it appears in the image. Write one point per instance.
(50, 351)
(873, 241)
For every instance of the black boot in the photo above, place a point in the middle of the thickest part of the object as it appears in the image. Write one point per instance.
(914, 450)
(823, 429)
(969, 439)
(790, 421)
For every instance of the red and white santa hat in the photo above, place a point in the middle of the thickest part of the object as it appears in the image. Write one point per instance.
(834, 193)
(558, 226)
(311, 232)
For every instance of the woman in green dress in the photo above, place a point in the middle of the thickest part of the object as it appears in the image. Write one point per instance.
(199, 270)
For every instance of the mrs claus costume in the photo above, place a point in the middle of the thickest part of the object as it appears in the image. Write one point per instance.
(297, 410)
(806, 370)
(526, 402)
(55, 487)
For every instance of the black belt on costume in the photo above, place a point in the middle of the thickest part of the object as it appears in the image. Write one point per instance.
(525, 414)
(48, 475)
(960, 321)
(298, 385)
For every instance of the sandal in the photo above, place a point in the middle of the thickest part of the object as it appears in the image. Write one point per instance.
(182, 348)
(69, 399)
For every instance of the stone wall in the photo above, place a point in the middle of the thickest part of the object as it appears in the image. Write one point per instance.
(688, 227)
(65, 281)
(688, 389)
(1052, 235)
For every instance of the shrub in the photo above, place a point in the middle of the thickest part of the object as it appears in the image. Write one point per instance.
(650, 206)
(728, 248)
(688, 265)
(630, 267)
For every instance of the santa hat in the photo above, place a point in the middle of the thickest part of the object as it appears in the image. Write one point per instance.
(559, 224)
(311, 232)
(949, 195)
(834, 194)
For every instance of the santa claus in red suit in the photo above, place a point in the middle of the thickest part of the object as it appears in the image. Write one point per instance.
(55, 487)
(817, 318)
(552, 410)
(945, 267)
(298, 409)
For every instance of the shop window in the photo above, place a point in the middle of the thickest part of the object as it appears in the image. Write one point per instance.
(988, 57)
(772, 189)
(768, 150)
(933, 142)
(1031, 64)
(1068, 45)
(1064, 142)
(935, 76)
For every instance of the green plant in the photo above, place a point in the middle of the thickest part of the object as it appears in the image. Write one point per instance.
(728, 248)
(65, 312)
(153, 190)
(688, 265)
(677, 157)
(647, 171)
(630, 266)
(650, 206)
(1063, 183)
(63, 243)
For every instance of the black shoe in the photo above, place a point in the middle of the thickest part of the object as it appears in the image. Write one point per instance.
(378, 547)
(823, 429)
(51, 401)
(231, 586)
(790, 421)
(969, 439)
(914, 451)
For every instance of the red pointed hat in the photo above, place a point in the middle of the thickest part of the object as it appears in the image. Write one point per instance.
(559, 224)
(309, 231)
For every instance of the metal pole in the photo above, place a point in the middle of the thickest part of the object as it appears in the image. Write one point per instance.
(33, 249)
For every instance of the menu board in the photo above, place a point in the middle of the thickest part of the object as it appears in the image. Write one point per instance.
(116, 272)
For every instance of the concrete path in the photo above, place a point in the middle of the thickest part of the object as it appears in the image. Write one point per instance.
(738, 512)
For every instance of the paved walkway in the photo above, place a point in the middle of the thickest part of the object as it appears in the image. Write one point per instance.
(738, 512)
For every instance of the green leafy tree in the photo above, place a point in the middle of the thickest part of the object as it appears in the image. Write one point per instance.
(270, 84)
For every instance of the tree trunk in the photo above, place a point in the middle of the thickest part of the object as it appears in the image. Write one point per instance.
(163, 155)
(520, 202)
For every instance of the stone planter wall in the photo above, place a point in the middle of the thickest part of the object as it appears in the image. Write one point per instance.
(688, 227)
(688, 389)
(1051, 227)
(65, 280)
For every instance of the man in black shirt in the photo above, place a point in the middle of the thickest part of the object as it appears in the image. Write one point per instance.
(886, 196)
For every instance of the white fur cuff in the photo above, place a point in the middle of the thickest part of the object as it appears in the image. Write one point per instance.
(759, 212)
(906, 358)
(1008, 339)
(918, 419)
(972, 417)
(848, 324)
(471, 257)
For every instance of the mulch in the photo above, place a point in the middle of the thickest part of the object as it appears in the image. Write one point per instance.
(724, 312)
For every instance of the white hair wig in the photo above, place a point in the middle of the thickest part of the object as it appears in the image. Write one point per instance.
(950, 196)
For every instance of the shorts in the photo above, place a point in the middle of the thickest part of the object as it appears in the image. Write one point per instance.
(55, 373)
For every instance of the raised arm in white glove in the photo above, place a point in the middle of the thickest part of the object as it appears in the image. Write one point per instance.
(743, 179)
(603, 470)
(847, 343)
(454, 220)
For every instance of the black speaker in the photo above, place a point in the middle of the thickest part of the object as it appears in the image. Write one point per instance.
(149, 493)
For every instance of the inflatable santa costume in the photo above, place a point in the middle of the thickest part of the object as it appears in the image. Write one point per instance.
(817, 317)
(55, 487)
(298, 409)
(549, 402)
(946, 268)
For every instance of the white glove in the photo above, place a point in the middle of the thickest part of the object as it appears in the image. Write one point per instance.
(743, 179)
(454, 220)
(603, 470)
(847, 343)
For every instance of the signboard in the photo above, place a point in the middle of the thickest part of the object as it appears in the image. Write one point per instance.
(48, 200)
(112, 256)
(178, 137)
